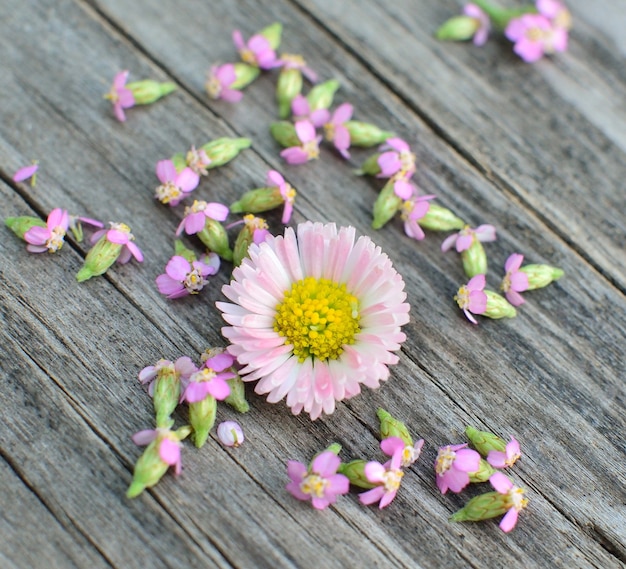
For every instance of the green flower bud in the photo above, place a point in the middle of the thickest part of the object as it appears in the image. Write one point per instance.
(335, 448)
(484, 441)
(387, 204)
(370, 167)
(214, 236)
(474, 259)
(321, 96)
(288, 86)
(166, 395)
(498, 306)
(439, 218)
(20, 225)
(285, 134)
(483, 507)
(391, 427)
(366, 134)
(458, 28)
(180, 161)
(541, 275)
(182, 251)
(259, 200)
(237, 398)
(149, 91)
(246, 237)
(244, 75)
(272, 34)
(485, 470)
(99, 258)
(355, 471)
(223, 150)
(202, 418)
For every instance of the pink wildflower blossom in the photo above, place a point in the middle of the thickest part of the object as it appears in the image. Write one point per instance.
(182, 278)
(169, 447)
(230, 433)
(556, 12)
(471, 298)
(287, 192)
(408, 454)
(198, 160)
(51, 237)
(291, 61)
(197, 214)
(397, 158)
(354, 304)
(121, 235)
(412, 211)
(26, 172)
(320, 483)
(335, 130)
(507, 458)
(121, 97)
(453, 465)
(534, 35)
(464, 238)
(174, 185)
(388, 478)
(514, 281)
(515, 498)
(309, 148)
(483, 21)
(221, 77)
(257, 51)
(301, 111)
(183, 367)
(205, 382)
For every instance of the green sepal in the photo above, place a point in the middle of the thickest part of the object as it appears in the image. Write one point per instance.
(99, 258)
(392, 427)
(272, 34)
(458, 28)
(484, 441)
(258, 200)
(500, 17)
(474, 259)
(237, 398)
(366, 134)
(244, 239)
(166, 395)
(180, 161)
(498, 306)
(484, 472)
(541, 275)
(182, 251)
(244, 75)
(223, 150)
(387, 204)
(20, 225)
(321, 96)
(148, 91)
(214, 236)
(284, 132)
(355, 471)
(439, 218)
(482, 507)
(202, 418)
(370, 166)
(289, 85)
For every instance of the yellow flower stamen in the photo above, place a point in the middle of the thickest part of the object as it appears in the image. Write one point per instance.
(318, 317)
(314, 485)
(392, 479)
(167, 192)
(444, 461)
(462, 297)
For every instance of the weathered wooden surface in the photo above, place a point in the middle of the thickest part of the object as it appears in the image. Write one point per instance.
(536, 150)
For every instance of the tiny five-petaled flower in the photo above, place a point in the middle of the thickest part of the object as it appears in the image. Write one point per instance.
(182, 278)
(515, 499)
(309, 144)
(121, 97)
(287, 192)
(388, 478)
(174, 185)
(217, 86)
(471, 298)
(507, 458)
(514, 281)
(51, 237)
(453, 465)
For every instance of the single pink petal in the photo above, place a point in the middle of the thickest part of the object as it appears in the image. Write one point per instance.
(513, 448)
(275, 178)
(485, 232)
(500, 482)
(519, 281)
(98, 235)
(476, 283)
(403, 189)
(372, 496)
(477, 302)
(507, 523)
(258, 44)
(305, 131)
(37, 235)
(165, 171)
(216, 211)
(194, 222)
(178, 268)
(287, 211)
(496, 458)
(220, 362)
(338, 484)
(449, 242)
(57, 217)
(319, 117)
(238, 40)
(187, 180)
(124, 256)
(514, 297)
(296, 470)
(226, 74)
(513, 262)
(456, 480)
(300, 106)
(117, 236)
(374, 471)
(387, 499)
(391, 445)
(169, 451)
(467, 460)
(231, 95)
(125, 98)
(36, 248)
(196, 391)
(464, 242)
(145, 437)
(25, 172)
(294, 155)
(218, 389)
(342, 114)
(469, 316)
(325, 464)
(169, 286)
(135, 251)
(320, 503)
(118, 110)
(120, 80)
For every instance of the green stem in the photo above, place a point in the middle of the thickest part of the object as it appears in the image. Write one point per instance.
(500, 17)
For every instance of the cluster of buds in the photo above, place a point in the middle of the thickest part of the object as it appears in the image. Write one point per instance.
(535, 29)
(456, 466)
(173, 383)
(327, 477)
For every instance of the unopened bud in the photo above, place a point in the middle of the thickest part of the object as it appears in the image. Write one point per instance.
(284, 132)
(237, 398)
(370, 167)
(439, 218)
(482, 507)
(458, 28)
(223, 150)
(20, 225)
(272, 34)
(474, 259)
(355, 472)
(391, 427)
(99, 258)
(484, 441)
(166, 395)
(246, 237)
(148, 91)
(321, 96)
(258, 200)
(387, 204)
(541, 275)
(366, 134)
(484, 472)
(202, 418)
(214, 236)
(244, 75)
(289, 85)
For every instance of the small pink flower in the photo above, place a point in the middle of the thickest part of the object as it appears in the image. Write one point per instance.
(51, 237)
(309, 148)
(556, 12)
(483, 21)
(301, 111)
(183, 367)
(221, 77)
(121, 97)
(335, 130)
(169, 445)
(514, 281)
(453, 465)
(515, 499)
(287, 192)
(534, 35)
(471, 298)
(320, 483)
(412, 211)
(26, 172)
(205, 382)
(291, 61)
(230, 433)
(397, 158)
(197, 214)
(121, 235)
(198, 161)
(507, 458)
(464, 238)
(174, 184)
(257, 51)
(388, 478)
(182, 278)
(408, 454)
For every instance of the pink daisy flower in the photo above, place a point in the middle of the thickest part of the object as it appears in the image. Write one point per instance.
(182, 278)
(453, 465)
(256, 51)
(217, 86)
(51, 237)
(514, 281)
(507, 458)
(121, 97)
(471, 298)
(174, 185)
(515, 499)
(320, 483)
(482, 20)
(412, 211)
(197, 214)
(335, 130)
(388, 478)
(314, 315)
(309, 148)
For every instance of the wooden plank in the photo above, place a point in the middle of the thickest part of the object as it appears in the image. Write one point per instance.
(555, 404)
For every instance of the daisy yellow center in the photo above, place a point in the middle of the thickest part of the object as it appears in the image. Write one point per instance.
(392, 479)
(444, 461)
(314, 485)
(318, 317)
